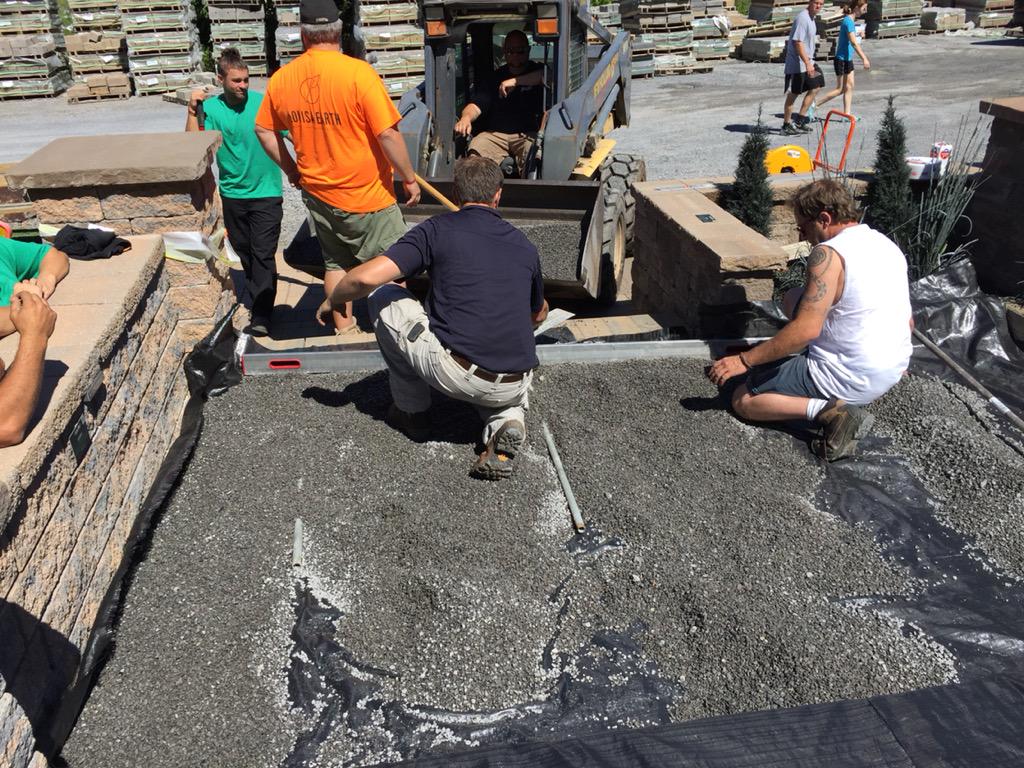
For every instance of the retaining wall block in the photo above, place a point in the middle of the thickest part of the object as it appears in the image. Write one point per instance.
(147, 200)
(66, 206)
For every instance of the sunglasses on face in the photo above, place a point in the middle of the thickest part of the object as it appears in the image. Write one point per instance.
(516, 50)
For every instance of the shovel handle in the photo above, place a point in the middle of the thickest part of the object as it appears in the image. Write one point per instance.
(436, 194)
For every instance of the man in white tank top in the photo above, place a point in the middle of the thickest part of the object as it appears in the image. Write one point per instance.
(848, 341)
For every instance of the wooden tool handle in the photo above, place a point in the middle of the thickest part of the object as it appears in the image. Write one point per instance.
(436, 194)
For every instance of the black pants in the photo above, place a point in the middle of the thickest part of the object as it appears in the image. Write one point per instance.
(254, 227)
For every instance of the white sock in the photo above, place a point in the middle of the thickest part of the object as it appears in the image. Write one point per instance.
(814, 407)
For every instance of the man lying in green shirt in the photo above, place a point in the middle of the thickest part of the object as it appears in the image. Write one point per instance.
(27, 267)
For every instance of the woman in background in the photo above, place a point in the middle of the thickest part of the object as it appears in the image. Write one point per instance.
(845, 46)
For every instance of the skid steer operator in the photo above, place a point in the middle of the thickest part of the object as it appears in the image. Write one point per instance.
(510, 106)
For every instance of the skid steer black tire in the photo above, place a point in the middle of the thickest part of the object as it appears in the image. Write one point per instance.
(622, 171)
(613, 246)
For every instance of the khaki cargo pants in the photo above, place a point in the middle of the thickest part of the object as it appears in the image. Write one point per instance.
(497, 146)
(417, 364)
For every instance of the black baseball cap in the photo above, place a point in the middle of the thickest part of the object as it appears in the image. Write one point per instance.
(318, 12)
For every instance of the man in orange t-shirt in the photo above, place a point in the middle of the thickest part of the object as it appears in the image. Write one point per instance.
(342, 124)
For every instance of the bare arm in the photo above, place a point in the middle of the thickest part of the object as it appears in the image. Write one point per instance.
(824, 284)
(19, 387)
(273, 144)
(393, 144)
(535, 77)
(52, 269)
(469, 114)
(801, 52)
(6, 326)
(856, 46)
(357, 283)
(539, 317)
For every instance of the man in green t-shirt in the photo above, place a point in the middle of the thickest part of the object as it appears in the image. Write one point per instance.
(27, 267)
(250, 182)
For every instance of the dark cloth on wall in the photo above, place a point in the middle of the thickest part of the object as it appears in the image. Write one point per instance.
(86, 244)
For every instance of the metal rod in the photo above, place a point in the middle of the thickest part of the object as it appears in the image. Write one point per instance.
(577, 518)
(297, 558)
(996, 403)
(436, 194)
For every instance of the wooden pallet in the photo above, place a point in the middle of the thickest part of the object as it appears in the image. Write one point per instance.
(693, 69)
(98, 97)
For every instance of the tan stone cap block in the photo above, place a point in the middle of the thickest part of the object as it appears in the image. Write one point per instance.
(93, 304)
(783, 184)
(117, 160)
(738, 247)
(1010, 108)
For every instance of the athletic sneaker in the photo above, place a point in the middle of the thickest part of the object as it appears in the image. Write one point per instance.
(495, 463)
(788, 129)
(842, 426)
(415, 426)
(804, 126)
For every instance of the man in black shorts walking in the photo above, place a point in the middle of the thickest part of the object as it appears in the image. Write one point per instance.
(802, 76)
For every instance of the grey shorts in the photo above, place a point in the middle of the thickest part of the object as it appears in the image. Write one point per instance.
(349, 239)
(786, 377)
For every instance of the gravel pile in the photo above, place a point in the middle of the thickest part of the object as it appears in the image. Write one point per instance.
(558, 243)
(709, 582)
(967, 458)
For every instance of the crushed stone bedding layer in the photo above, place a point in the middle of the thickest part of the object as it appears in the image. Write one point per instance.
(718, 573)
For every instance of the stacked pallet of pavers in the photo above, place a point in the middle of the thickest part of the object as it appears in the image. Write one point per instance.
(394, 43)
(287, 40)
(241, 24)
(767, 40)
(163, 43)
(607, 16)
(96, 51)
(893, 18)
(710, 31)
(30, 62)
(665, 27)
(987, 14)
(936, 19)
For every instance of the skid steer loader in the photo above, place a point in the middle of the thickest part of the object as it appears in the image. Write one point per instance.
(573, 198)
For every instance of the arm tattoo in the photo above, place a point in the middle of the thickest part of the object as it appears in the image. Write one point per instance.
(817, 264)
(819, 256)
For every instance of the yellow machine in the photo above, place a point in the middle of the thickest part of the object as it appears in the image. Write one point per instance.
(788, 158)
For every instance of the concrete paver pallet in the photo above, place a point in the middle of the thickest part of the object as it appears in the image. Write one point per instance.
(31, 63)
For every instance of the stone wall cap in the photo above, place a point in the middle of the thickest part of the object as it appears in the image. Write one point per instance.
(1010, 108)
(738, 247)
(96, 300)
(116, 160)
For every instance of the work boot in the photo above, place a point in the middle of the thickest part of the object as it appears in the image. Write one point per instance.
(415, 426)
(495, 463)
(842, 426)
(788, 129)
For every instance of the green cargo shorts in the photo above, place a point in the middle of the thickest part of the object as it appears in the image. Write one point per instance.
(349, 239)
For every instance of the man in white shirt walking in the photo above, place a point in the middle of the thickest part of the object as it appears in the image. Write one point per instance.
(802, 75)
(848, 341)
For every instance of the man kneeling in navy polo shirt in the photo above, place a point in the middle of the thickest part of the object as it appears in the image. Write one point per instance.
(473, 340)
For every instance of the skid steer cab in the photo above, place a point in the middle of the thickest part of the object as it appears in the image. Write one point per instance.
(565, 188)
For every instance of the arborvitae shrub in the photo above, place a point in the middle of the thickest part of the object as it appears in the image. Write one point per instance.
(888, 201)
(750, 200)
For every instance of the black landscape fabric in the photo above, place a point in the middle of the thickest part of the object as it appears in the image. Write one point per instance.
(931, 541)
